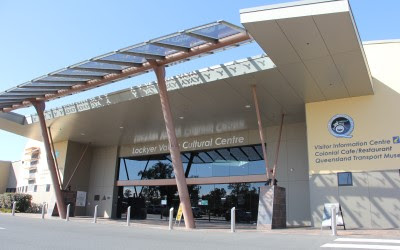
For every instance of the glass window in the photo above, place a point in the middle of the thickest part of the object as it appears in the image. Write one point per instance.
(35, 188)
(345, 179)
(47, 187)
(235, 161)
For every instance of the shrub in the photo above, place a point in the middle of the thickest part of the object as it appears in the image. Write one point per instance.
(5, 210)
(23, 201)
(34, 209)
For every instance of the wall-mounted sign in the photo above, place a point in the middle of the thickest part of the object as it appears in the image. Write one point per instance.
(80, 199)
(341, 126)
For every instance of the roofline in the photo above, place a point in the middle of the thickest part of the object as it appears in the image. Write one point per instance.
(381, 41)
(284, 5)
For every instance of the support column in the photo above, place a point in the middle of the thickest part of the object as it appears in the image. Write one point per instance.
(277, 151)
(260, 130)
(40, 106)
(53, 151)
(174, 146)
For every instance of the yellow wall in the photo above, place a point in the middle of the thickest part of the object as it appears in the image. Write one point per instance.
(376, 120)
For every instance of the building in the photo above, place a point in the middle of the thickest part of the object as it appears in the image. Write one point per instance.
(340, 139)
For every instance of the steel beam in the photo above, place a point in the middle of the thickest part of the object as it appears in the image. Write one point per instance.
(40, 107)
(53, 151)
(201, 37)
(174, 146)
(77, 165)
(260, 130)
(277, 151)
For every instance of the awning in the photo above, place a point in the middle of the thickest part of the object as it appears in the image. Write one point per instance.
(124, 63)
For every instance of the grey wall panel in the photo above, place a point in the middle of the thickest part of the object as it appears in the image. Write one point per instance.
(102, 180)
(355, 202)
(298, 195)
(323, 189)
(384, 192)
(80, 179)
(372, 202)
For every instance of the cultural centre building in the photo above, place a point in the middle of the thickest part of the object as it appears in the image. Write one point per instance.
(322, 102)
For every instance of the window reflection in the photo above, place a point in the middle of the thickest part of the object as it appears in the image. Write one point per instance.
(234, 161)
(209, 202)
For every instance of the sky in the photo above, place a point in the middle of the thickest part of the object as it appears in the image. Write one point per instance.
(41, 36)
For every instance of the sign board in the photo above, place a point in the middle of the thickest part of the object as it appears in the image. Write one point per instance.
(179, 214)
(163, 202)
(204, 202)
(80, 199)
(326, 218)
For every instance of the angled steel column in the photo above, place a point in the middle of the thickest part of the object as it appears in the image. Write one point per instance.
(277, 150)
(174, 146)
(40, 106)
(260, 129)
(53, 151)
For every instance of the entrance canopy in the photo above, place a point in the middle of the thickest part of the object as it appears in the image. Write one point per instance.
(125, 63)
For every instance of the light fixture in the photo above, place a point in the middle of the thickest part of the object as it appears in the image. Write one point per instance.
(82, 133)
(121, 127)
(247, 106)
(181, 117)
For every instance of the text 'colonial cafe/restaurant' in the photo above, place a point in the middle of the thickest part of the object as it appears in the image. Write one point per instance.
(322, 102)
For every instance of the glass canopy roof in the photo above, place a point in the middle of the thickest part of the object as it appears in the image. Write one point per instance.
(54, 84)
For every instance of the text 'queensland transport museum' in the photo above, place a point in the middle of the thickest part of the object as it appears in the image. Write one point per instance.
(322, 102)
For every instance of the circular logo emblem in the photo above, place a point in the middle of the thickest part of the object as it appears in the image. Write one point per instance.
(341, 126)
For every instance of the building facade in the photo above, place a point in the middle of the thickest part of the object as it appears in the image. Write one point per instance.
(340, 140)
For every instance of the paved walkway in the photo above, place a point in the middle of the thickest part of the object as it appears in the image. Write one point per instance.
(225, 227)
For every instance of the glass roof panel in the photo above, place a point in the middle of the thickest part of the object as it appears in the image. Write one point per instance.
(217, 31)
(124, 58)
(98, 65)
(80, 72)
(53, 78)
(44, 85)
(153, 49)
(183, 40)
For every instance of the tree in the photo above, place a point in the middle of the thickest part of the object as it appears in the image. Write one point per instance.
(127, 193)
(154, 194)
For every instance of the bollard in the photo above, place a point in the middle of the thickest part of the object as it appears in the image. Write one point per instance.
(13, 208)
(95, 214)
(233, 220)
(67, 216)
(333, 221)
(128, 217)
(171, 218)
(43, 208)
